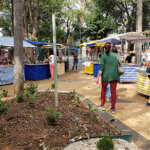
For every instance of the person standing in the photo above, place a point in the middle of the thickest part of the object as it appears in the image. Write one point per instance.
(148, 72)
(110, 74)
(75, 62)
(51, 64)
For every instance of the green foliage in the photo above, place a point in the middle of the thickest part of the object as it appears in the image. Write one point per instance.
(31, 88)
(53, 86)
(75, 97)
(31, 98)
(91, 115)
(4, 92)
(3, 105)
(52, 116)
(20, 97)
(105, 144)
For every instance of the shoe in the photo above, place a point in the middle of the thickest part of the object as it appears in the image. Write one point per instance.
(112, 110)
(102, 108)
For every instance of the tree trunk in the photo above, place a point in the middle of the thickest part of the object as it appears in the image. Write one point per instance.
(12, 22)
(18, 47)
(35, 21)
(139, 29)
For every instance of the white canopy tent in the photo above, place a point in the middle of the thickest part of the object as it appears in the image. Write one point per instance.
(9, 42)
(133, 37)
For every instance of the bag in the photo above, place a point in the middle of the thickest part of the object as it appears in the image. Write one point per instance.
(120, 69)
(99, 82)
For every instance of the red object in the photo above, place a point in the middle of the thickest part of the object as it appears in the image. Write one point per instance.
(113, 85)
(52, 70)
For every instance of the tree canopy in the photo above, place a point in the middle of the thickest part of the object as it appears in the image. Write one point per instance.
(76, 19)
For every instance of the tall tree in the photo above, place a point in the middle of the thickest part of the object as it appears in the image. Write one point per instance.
(139, 28)
(18, 46)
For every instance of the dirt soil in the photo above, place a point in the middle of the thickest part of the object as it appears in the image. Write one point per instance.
(23, 128)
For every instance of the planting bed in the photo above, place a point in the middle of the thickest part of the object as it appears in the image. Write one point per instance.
(23, 128)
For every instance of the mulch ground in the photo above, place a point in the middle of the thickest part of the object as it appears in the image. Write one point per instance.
(23, 128)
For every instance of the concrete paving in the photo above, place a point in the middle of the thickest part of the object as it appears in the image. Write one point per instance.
(130, 109)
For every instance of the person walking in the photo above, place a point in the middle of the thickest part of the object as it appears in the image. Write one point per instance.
(51, 64)
(110, 74)
(75, 62)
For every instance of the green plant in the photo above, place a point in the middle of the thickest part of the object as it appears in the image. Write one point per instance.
(3, 105)
(53, 86)
(31, 99)
(31, 88)
(20, 97)
(73, 94)
(105, 144)
(77, 102)
(4, 92)
(51, 116)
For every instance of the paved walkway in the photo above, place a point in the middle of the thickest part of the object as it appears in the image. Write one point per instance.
(130, 109)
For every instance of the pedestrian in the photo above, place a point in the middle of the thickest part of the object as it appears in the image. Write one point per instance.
(51, 64)
(110, 74)
(148, 72)
(75, 61)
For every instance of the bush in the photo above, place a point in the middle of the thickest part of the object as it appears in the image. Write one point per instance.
(53, 86)
(31, 99)
(3, 105)
(105, 144)
(20, 97)
(51, 116)
(31, 88)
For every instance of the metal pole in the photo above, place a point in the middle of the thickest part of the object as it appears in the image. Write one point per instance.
(55, 59)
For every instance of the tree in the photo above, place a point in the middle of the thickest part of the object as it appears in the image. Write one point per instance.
(18, 47)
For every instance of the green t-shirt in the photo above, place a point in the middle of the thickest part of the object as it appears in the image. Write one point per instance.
(109, 67)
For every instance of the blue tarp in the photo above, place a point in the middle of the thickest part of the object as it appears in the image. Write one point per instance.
(39, 43)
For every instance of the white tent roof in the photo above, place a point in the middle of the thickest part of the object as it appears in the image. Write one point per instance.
(9, 42)
(134, 37)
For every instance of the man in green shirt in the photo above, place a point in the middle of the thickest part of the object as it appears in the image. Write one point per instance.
(109, 73)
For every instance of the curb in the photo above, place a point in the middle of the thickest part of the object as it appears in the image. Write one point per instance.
(138, 139)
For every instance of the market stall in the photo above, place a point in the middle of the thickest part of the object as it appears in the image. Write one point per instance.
(130, 74)
(92, 48)
(6, 69)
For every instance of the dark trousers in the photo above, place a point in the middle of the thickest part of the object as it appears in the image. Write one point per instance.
(75, 63)
(113, 85)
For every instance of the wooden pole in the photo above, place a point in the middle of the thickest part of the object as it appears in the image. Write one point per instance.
(55, 59)
(18, 47)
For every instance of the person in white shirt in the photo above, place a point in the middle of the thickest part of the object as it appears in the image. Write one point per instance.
(51, 64)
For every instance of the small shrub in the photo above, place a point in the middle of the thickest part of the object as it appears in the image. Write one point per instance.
(105, 144)
(73, 94)
(77, 102)
(4, 92)
(3, 105)
(31, 99)
(51, 116)
(53, 86)
(31, 88)
(20, 97)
